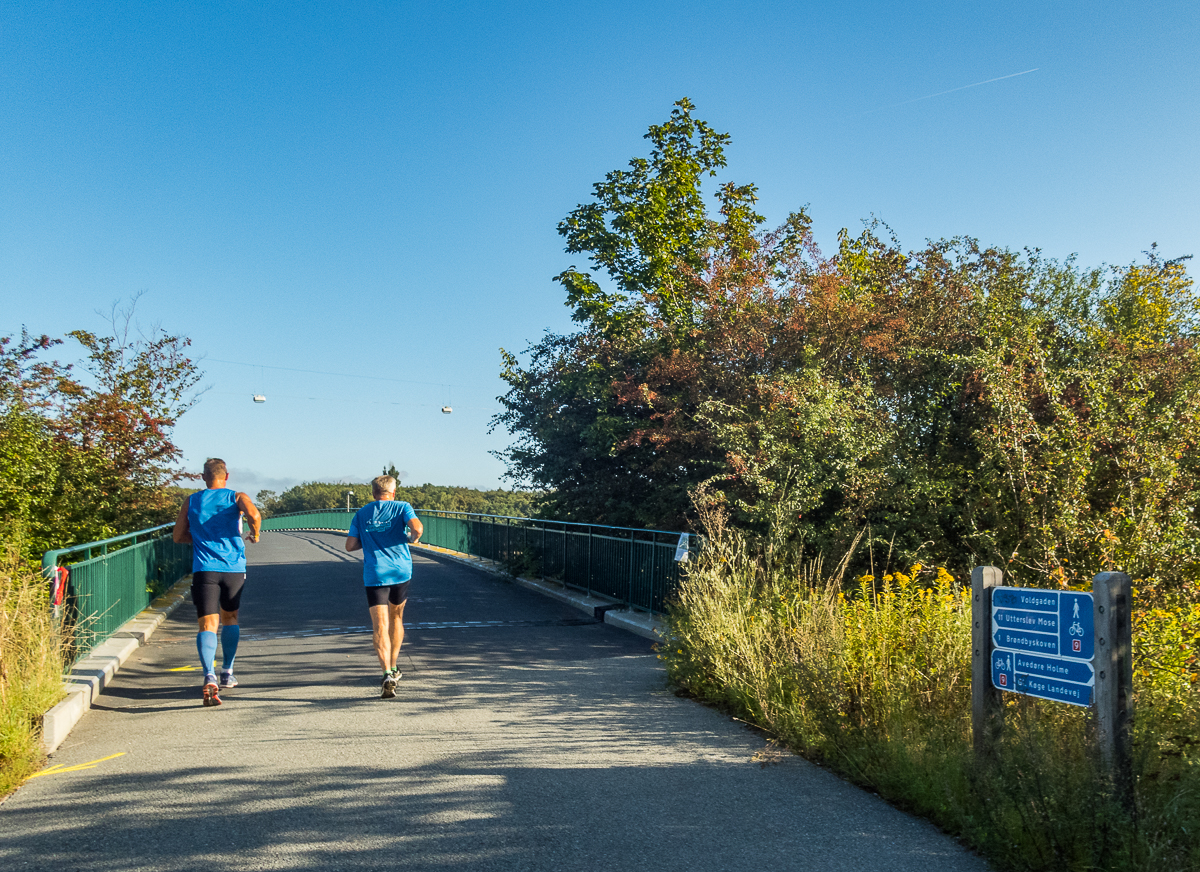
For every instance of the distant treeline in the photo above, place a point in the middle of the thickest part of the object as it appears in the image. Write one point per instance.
(333, 495)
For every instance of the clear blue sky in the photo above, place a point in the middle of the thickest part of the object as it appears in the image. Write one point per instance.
(373, 189)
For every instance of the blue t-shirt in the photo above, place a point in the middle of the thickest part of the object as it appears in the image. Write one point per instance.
(215, 522)
(380, 527)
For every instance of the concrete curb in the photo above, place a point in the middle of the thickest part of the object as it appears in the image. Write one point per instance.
(610, 611)
(88, 678)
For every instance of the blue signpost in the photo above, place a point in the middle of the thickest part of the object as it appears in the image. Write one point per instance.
(1044, 643)
(1061, 645)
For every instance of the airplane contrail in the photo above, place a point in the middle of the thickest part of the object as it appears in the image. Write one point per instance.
(952, 90)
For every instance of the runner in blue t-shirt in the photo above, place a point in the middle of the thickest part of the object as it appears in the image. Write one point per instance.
(211, 520)
(379, 531)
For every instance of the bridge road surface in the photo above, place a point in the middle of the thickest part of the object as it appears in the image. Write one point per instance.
(544, 742)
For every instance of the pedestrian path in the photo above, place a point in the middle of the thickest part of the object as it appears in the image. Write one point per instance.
(522, 737)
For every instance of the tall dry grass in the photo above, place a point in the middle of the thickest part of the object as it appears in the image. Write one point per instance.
(871, 677)
(31, 670)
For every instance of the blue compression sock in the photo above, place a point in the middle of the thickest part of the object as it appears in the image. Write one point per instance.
(230, 634)
(206, 644)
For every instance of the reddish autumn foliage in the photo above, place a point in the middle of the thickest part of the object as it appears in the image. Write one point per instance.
(972, 403)
(89, 456)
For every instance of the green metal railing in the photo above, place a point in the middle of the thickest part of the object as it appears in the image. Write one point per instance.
(632, 566)
(317, 519)
(110, 581)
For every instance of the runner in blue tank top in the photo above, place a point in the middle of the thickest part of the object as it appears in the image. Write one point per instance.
(379, 531)
(212, 521)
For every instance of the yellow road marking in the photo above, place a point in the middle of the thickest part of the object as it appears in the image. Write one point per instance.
(59, 769)
(183, 668)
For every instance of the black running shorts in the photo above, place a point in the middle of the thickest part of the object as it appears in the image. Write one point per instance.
(382, 594)
(211, 590)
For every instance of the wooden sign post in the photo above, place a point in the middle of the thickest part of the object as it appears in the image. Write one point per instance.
(1047, 650)
(987, 709)
(1114, 680)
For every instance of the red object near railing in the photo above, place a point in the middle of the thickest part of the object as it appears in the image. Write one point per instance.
(58, 585)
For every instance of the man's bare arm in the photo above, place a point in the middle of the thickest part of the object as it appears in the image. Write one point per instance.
(353, 544)
(181, 534)
(247, 507)
(415, 529)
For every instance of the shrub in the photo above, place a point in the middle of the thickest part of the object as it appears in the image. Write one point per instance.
(873, 679)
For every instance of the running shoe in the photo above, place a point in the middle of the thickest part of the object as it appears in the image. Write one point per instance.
(389, 685)
(211, 691)
(227, 680)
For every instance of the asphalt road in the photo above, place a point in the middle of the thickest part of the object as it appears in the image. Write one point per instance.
(545, 741)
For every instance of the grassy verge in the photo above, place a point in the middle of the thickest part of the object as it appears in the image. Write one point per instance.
(30, 671)
(872, 678)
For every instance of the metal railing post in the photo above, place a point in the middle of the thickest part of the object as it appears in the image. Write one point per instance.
(653, 565)
(629, 596)
(987, 709)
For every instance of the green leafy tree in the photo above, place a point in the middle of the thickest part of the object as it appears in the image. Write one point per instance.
(1089, 461)
(84, 461)
(31, 457)
(650, 231)
(314, 495)
(332, 495)
(648, 220)
(959, 402)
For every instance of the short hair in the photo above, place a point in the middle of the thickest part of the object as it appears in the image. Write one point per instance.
(383, 484)
(214, 467)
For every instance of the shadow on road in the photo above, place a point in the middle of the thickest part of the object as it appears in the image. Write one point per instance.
(541, 743)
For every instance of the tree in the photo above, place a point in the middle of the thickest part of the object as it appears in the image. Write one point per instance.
(87, 461)
(962, 403)
(332, 495)
(647, 221)
(143, 385)
(650, 230)
(31, 457)
(1088, 457)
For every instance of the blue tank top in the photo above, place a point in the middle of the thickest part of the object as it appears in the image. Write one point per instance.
(215, 523)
